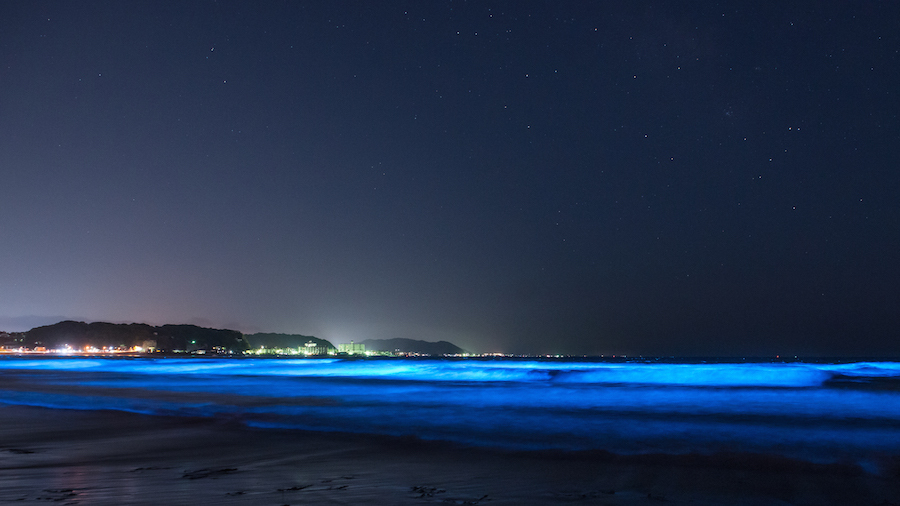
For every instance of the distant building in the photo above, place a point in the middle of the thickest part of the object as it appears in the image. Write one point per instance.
(313, 348)
(352, 348)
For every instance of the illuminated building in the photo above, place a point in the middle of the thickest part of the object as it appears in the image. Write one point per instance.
(352, 348)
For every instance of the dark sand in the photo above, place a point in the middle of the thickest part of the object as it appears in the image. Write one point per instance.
(90, 457)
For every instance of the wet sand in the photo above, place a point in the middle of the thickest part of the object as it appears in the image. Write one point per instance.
(106, 458)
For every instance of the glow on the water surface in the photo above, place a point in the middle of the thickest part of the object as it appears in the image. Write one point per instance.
(818, 411)
(726, 375)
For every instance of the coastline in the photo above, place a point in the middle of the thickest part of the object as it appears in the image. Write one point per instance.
(108, 457)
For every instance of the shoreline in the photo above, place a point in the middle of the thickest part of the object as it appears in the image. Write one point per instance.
(479, 357)
(110, 457)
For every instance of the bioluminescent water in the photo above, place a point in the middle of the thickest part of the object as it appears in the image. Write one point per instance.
(818, 412)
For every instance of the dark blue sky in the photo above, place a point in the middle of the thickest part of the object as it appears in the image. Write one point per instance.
(634, 177)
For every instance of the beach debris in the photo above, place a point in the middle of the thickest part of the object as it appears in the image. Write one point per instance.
(19, 451)
(580, 496)
(208, 473)
(462, 502)
(329, 480)
(475, 501)
(59, 494)
(426, 491)
(294, 488)
(337, 487)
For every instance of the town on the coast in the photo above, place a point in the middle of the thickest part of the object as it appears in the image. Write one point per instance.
(138, 339)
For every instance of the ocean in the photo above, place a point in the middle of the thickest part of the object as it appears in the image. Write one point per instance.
(819, 412)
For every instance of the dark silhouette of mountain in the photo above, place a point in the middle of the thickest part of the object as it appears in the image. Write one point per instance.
(166, 338)
(191, 338)
(194, 338)
(413, 346)
(269, 340)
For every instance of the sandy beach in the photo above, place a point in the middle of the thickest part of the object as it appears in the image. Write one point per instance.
(106, 457)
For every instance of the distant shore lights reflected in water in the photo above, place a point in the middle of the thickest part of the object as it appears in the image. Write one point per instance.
(820, 412)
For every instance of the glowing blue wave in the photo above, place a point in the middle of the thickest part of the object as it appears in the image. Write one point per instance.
(818, 411)
(711, 375)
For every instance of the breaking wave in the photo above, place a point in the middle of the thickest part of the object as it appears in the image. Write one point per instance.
(822, 412)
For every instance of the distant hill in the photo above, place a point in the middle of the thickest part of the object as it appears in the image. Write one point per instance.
(269, 340)
(191, 338)
(413, 346)
(77, 335)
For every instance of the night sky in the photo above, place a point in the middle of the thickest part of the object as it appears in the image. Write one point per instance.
(650, 178)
